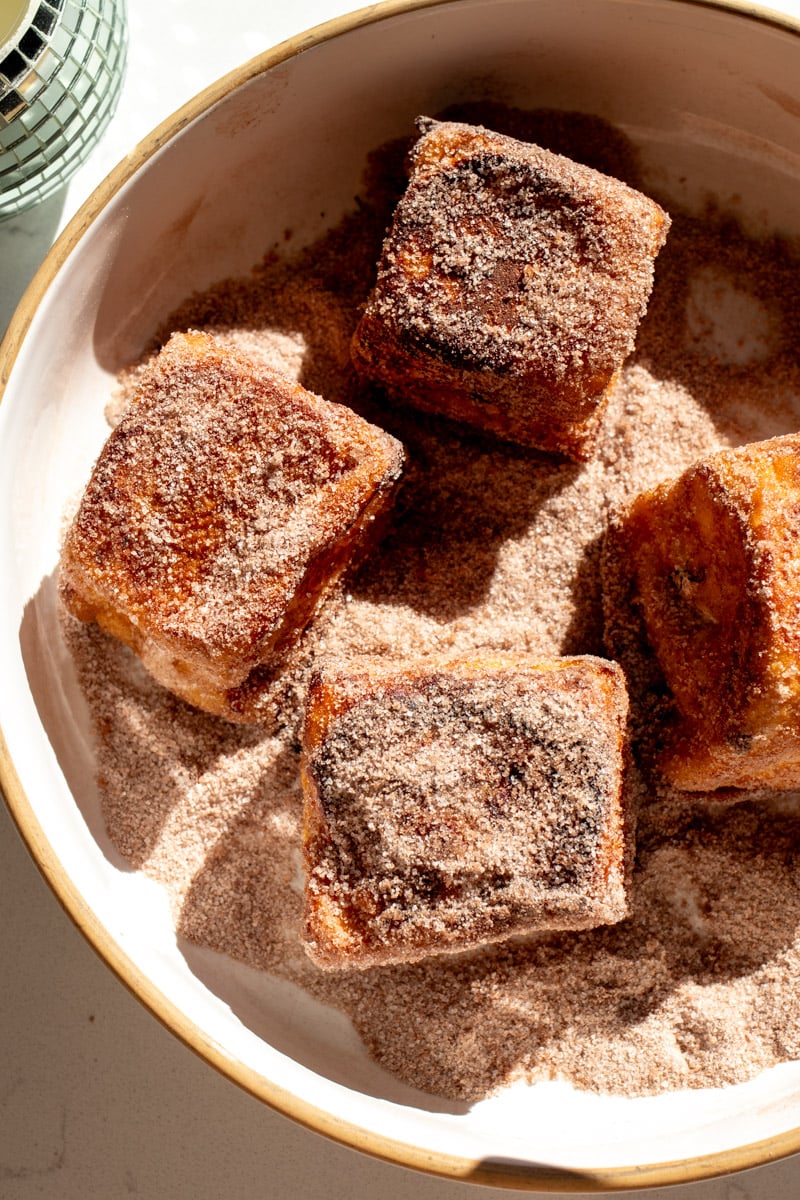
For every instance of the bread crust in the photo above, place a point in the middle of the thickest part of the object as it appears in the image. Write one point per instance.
(450, 804)
(510, 287)
(220, 512)
(702, 574)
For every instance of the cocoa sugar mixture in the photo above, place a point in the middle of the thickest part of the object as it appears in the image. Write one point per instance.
(493, 547)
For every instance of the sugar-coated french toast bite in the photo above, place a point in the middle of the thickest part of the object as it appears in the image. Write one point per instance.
(510, 287)
(221, 510)
(704, 572)
(450, 804)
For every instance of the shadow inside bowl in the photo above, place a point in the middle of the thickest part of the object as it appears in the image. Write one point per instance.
(63, 709)
(310, 1033)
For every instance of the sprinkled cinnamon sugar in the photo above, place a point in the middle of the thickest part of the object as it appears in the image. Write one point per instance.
(493, 548)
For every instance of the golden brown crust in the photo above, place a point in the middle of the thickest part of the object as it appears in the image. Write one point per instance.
(708, 567)
(450, 804)
(510, 287)
(221, 510)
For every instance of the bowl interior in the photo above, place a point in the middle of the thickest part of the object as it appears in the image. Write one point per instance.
(709, 97)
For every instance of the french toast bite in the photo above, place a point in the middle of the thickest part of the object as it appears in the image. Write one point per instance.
(220, 512)
(510, 287)
(703, 572)
(452, 804)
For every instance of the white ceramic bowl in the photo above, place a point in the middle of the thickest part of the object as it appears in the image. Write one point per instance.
(709, 94)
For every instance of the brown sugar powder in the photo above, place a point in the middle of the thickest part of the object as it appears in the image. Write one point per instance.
(494, 548)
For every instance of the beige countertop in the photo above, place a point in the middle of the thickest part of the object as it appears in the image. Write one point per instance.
(97, 1099)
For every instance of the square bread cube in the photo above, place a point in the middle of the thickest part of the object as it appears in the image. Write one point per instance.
(221, 510)
(448, 805)
(703, 574)
(510, 287)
